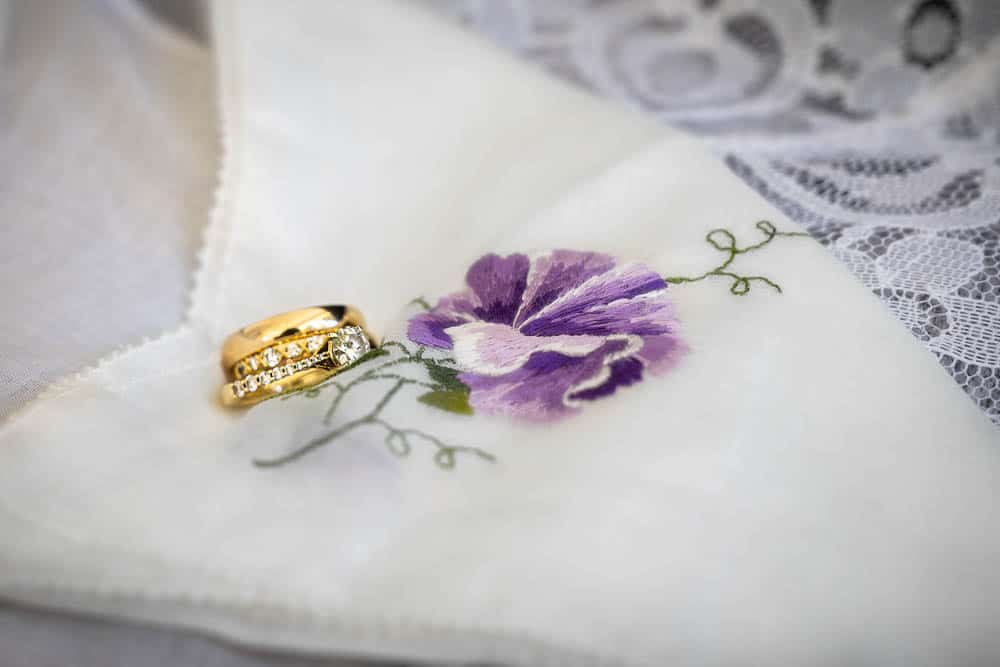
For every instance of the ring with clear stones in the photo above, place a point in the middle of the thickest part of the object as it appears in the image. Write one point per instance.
(291, 352)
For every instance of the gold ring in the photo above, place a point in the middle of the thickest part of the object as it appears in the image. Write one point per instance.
(291, 352)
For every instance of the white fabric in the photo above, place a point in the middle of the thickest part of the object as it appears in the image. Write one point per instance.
(107, 129)
(36, 638)
(778, 497)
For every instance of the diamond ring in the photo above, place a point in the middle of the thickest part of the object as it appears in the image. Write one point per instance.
(291, 352)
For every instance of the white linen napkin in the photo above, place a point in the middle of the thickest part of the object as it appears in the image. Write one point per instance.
(802, 485)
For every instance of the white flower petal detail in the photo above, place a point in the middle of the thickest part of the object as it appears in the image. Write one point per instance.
(496, 349)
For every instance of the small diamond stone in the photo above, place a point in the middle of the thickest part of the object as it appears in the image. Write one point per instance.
(314, 343)
(271, 357)
(238, 390)
(264, 378)
(292, 350)
(340, 357)
(354, 345)
(253, 363)
(252, 383)
(241, 369)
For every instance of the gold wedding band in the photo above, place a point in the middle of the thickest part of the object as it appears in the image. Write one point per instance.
(291, 352)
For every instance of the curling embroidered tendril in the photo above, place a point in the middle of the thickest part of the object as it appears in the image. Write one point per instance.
(422, 302)
(724, 240)
(445, 392)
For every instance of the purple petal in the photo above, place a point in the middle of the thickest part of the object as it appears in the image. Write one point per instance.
(606, 304)
(429, 328)
(540, 389)
(498, 283)
(535, 339)
(661, 353)
(556, 273)
(623, 373)
(534, 391)
(496, 349)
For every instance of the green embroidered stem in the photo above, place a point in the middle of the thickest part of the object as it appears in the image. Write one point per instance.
(367, 376)
(446, 393)
(422, 302)
(315, 443)
(398, 442)
(740, 284)
(392, 343)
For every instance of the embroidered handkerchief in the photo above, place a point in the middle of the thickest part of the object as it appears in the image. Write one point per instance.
(634, 418)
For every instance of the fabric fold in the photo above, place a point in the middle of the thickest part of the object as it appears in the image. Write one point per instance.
(802, 484)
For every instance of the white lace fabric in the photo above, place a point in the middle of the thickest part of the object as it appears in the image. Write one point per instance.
(875, 125)
(719, 514)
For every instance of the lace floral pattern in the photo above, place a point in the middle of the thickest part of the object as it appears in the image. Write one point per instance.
(876, 127)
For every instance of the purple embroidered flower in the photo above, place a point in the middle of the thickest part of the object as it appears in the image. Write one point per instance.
(536, 337)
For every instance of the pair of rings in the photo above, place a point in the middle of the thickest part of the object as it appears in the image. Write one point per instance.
(291, 352)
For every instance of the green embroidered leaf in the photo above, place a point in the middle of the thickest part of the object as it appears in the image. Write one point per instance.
(456, 402)
(446, 377)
